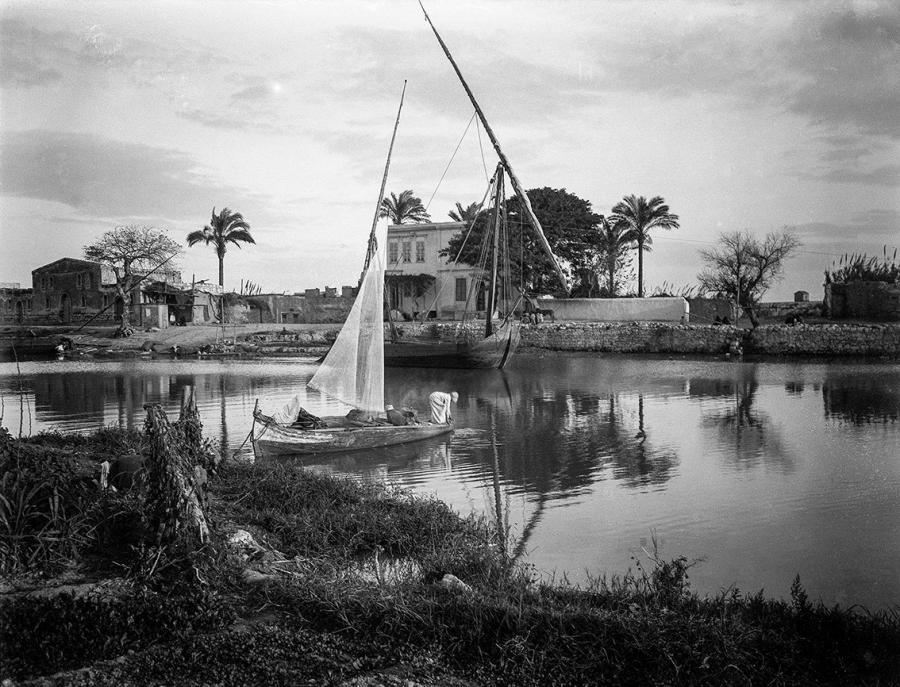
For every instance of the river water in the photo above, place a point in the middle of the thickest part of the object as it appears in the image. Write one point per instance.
(765, 470)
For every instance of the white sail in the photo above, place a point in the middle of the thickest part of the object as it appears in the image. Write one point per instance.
(353, 370)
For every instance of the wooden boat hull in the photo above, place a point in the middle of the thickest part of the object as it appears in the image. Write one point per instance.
(340, 436)
(491, 352)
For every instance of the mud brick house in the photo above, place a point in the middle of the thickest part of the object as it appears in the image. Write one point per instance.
(15, 303)
(69, 290)
(72, 291)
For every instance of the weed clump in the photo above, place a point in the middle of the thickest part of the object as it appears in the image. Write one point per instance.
(355, 592)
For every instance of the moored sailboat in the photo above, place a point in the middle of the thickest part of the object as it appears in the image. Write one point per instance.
(496, 343)
(353, 373)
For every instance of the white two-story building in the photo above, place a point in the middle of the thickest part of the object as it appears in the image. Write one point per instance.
(412, 257)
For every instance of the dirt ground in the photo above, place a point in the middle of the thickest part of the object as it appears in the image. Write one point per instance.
(193, 335)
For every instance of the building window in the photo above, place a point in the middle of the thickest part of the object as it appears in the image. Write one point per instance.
(47, 301)
(51, 282)
(392, 251)
(420, 251)
(407, 251)
(83, 300)
(79, 280)
(460, 288)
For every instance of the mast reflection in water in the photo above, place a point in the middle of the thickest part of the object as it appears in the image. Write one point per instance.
(765, 470)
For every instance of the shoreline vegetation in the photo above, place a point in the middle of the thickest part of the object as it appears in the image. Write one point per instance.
(772, 340)
(270, 574)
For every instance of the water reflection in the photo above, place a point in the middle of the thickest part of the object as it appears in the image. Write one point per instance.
(748, 431)
(862, 400)
(633, 458)
(579, 457)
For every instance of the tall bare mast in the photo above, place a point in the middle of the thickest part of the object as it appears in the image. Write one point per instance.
(387, 165)
(526, 203)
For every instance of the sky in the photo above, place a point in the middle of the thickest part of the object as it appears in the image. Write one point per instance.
(742, 115)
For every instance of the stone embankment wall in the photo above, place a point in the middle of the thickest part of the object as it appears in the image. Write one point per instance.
(629, 337)
(658, 337)
(825, 339)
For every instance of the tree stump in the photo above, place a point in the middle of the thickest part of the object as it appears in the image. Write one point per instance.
(173, 497)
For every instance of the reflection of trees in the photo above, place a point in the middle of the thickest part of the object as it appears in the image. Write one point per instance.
(739, 425)
(635, 461)
(553, 438)
(794, 388)
(862, 399)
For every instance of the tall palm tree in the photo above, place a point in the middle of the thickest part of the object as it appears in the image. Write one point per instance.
(224, 228)
(612, 240)
(406, 207)
(467, 214)
(640, 215)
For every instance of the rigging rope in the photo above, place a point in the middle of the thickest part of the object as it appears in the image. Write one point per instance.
(447, 168)
(481, 148)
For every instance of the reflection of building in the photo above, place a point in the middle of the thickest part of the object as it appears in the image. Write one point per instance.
(412, 256)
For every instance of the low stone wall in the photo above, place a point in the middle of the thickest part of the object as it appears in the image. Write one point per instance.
(657, 337)
(617, 309)
(629, 337)
(780, 310)
(873, 300)
(826, 339)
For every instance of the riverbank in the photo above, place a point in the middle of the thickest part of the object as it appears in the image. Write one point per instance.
(820, 339)
(313, 579)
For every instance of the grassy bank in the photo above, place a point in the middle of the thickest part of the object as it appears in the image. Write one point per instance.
(363, 584)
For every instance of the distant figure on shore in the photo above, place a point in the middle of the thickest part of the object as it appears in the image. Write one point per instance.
(793, 319)
(440, 406)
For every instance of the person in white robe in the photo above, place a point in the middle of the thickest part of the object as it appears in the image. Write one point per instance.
(440, 402)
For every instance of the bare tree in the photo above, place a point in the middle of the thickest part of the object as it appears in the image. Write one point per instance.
(132, 252)
(742, 266)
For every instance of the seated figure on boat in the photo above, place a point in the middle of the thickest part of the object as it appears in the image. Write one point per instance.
(360, 416)
(440, 406)
(399, 417)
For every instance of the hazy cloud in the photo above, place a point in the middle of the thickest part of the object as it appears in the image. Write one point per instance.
(875, 226)
(104, 177)
(18, 72)
(885, 175)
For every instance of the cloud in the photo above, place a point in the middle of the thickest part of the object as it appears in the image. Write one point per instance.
(18, 72)
(874, 226)
(30, 57)
(851, 64)
(258, 92)
(885, 175)
(102, 177)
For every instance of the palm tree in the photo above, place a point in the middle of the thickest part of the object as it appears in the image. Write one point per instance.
(639, 216)
(467, 214)
(406, 207)
(224, 228)
(612, 240)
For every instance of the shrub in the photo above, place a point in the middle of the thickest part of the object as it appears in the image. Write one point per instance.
(861, 267)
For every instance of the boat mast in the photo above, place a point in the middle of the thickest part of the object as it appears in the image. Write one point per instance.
(503, 159)
(498, 199)
(373, 243)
